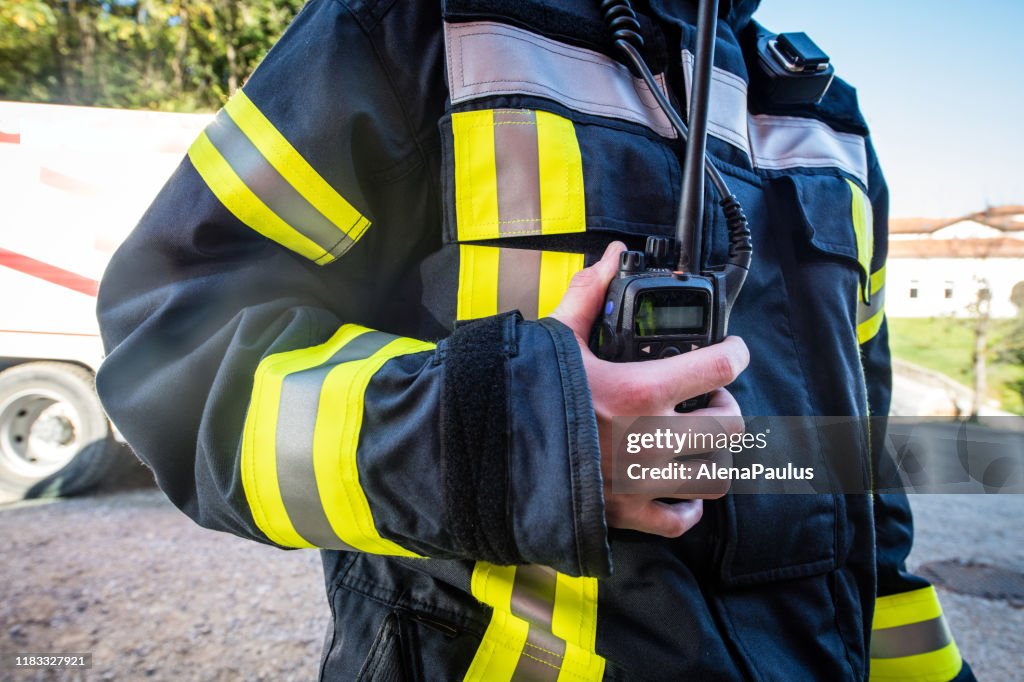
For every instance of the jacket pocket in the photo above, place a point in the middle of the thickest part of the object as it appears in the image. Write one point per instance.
(765, 538)
(837, 218)
(384, 662)
(811, 230)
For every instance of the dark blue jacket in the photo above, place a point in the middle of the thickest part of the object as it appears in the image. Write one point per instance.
(283, 348)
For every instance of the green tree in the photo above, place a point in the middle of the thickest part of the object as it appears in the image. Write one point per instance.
(181, 55)
(1012, 351)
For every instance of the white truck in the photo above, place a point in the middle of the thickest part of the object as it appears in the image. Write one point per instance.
(74, 181)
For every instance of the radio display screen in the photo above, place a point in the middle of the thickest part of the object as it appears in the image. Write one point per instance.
(668, 312)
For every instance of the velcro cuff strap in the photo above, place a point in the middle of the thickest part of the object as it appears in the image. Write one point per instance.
(476, 437)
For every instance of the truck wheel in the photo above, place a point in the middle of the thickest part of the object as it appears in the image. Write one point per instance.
(54, 437)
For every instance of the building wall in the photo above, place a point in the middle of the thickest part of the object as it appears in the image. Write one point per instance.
(930, 278)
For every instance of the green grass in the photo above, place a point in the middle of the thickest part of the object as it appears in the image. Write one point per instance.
(946, 345)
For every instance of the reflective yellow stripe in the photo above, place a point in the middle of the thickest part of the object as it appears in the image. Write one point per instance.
(863, 227)
(878, 280)
(503, 641)
(562, 206)
(259, 458)
(907, 608)
(476, 175)
(335, 441)
(556, 270)
(231, 191)
(867, 329)
(293, 167)
(941, 665)
(478, 282)
(339, 420)
(575, 620)
(542, 189)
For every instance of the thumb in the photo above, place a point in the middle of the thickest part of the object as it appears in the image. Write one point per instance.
(582, 301)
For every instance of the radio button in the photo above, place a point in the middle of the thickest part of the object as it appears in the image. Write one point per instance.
(669, 351)
(645, 350)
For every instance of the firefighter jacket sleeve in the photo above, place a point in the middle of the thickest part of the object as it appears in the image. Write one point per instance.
(910, 639)
(255, 360)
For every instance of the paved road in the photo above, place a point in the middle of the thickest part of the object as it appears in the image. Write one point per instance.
(152, 596)
(988, 529)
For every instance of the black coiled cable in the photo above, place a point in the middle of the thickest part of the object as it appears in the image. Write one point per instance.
(621, 19)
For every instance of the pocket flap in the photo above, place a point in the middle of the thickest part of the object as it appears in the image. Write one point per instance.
(838, 218)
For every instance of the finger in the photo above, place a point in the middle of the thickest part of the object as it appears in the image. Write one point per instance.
(722, 401)
(691, 374)
(669, 520)
(724, 409)
(582, 301)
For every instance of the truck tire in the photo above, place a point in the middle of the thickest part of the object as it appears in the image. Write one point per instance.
(55, 439)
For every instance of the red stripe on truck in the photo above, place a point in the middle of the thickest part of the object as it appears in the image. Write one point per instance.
(10, 138)
(48, 273)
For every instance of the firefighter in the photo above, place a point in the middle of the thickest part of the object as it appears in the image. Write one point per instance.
(342, 325)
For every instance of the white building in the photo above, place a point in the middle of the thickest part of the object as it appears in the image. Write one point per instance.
(937, 267)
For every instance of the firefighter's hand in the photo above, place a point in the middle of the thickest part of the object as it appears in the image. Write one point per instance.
(649, 388)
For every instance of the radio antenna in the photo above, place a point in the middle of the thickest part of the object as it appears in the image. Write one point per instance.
(690, 218)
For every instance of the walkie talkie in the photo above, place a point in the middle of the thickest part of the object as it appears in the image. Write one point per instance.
(652, 310)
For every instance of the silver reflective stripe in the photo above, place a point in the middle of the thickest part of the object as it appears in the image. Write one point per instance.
(866, 311)
(296, 425)
(910, 640)
(488, 58)
(533, 600)
(727, 114)
(518, 169)
(518, 278)
(776, 142)
(533, 594)
(779, 142)
(272, 189)
(541, 658)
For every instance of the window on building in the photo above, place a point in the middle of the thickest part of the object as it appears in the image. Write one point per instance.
(948, 292)
(913, 288)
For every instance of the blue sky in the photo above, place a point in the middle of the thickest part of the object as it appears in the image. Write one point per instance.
(941, 84)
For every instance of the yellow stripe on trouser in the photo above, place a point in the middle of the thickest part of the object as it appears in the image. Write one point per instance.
(231, 191)
(479, 281)
(900, 610)
(868, 328)
(574, 620)
(293, 167)
(335, 442)
(559, 173)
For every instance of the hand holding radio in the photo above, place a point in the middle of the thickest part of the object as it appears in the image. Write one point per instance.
(652, 388)
(652, 309)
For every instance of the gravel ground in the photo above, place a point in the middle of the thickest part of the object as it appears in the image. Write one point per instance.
(153, 596)
(987, 529)
(127, 577)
